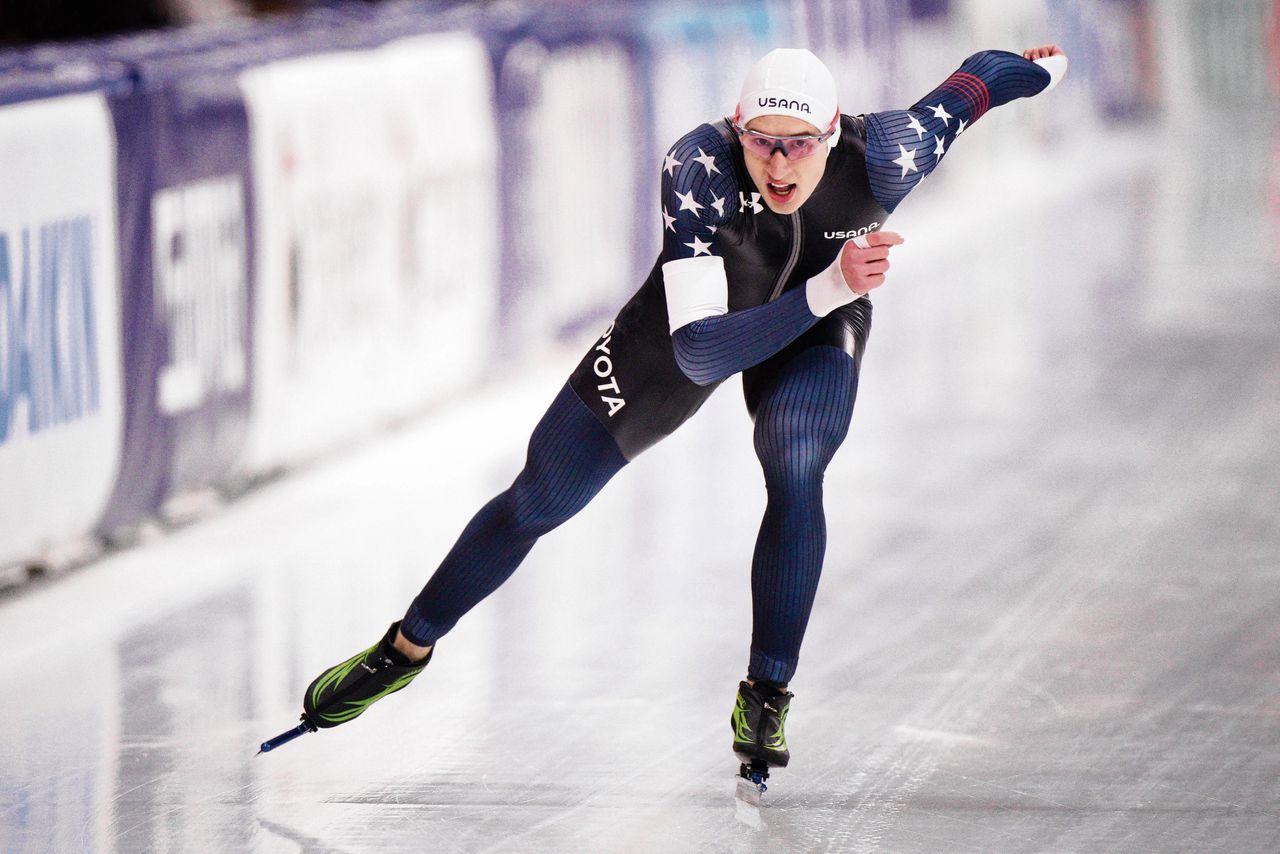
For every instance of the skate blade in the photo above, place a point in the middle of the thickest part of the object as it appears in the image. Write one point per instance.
(746, 807)
(285, 737)
(748, 792)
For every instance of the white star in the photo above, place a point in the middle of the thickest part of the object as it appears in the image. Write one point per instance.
(718, 204)
(940, 113)
(707, 160)
(698, 247)
(754, 205)
(687, 203)
(669, 165)
(960, 129)
(907, 160)
(713, 229)
(938, 150)
(915, 125)
(668, 219)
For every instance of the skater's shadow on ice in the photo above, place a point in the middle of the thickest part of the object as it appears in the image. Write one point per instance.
(306, 844)
(487, 793)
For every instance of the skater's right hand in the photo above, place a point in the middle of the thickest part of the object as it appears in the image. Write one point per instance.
(864, 267)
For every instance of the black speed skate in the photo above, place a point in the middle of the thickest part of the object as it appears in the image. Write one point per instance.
(344, 691)
(759, 738)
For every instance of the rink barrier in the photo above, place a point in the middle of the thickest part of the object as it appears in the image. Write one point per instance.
(276, 249)
(61, 403)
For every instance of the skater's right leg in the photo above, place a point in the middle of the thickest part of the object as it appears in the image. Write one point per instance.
(571, 457)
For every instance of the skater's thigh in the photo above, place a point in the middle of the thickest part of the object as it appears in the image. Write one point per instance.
(846, 329)
(569, 438)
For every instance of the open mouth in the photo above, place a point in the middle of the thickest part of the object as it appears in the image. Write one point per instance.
(780, 193)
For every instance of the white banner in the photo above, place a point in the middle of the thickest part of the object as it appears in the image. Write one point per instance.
(201, 289)
(577, 205)
(61, 411)
(377, 238)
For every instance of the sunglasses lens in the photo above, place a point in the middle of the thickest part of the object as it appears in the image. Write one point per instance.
(798, 148)
(763, 145)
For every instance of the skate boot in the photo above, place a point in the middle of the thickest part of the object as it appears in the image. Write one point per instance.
(759, 740)
(345, 690)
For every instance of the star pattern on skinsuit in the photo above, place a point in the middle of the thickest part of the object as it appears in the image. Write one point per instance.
(670, 165)
(718, 204)
(698, 247)
(939, 112)
(938, 150)
(712, 229)
(907, 159)
(960, 129)
(707, 161)
(668, 220)
(753, 205)
(687, 203)
(915, 125)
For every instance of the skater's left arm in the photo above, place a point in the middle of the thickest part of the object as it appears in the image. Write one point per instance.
(905, 145)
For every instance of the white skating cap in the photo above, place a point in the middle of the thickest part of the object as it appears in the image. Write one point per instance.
(790, 82)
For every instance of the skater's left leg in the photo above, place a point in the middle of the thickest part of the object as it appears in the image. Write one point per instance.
(802, 415)
(802, 403)
(801, 419)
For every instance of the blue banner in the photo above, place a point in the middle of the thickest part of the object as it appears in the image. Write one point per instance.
(186, 238)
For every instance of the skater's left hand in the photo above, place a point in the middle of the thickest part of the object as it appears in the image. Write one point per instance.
(1041, 52)
(864, 267)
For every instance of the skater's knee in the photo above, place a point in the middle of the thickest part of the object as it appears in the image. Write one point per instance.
(797, 463)
(533, 509)
(801, 442)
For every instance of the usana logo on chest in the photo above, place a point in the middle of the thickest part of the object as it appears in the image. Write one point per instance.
(845, 235)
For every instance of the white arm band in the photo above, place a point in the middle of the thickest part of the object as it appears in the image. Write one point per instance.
(1057, 68)
(696, 288)
(828, 290)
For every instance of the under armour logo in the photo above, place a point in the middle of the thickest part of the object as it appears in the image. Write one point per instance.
(753, 205)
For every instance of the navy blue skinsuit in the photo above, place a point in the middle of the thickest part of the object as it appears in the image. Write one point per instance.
(640, 381)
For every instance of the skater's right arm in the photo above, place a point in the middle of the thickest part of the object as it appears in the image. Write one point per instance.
(714, 348)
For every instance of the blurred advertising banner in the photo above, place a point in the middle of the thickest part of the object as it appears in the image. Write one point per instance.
(377, 238)
(695, 57)
(60, 395)
(589, 98)
(184, 183)
(571, 116)
(1218, 106)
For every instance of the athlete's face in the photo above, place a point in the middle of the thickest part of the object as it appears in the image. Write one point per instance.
(785, 184)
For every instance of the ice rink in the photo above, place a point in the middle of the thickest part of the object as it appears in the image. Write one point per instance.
(1048, 622)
